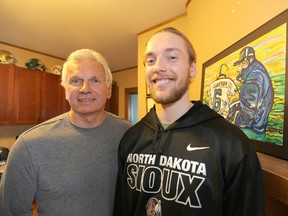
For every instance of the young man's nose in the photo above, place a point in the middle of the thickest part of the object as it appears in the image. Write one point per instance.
(159, 65)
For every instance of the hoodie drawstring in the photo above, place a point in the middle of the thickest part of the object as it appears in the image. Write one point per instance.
(159, 148)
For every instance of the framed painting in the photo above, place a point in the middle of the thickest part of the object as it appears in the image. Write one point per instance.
(246, 84)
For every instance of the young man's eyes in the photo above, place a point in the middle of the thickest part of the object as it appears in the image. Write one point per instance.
(151, 61)
(172, 58)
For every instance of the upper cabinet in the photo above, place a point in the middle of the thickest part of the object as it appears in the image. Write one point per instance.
(6, 94)
(53, 100)
(29, 96)
(112, 103)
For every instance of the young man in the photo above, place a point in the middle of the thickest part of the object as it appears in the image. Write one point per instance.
(183, 158)
(68, 164)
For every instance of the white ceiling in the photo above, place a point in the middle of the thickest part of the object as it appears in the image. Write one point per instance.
(58, 27)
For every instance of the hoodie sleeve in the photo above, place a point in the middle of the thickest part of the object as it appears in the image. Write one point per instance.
(244, 189)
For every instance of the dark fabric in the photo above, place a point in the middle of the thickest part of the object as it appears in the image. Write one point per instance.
(200, 165)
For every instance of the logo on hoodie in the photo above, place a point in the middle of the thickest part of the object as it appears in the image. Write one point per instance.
(176, 179)
(153, 207)
(190, 148)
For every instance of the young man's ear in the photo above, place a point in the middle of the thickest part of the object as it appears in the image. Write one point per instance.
(192, 70)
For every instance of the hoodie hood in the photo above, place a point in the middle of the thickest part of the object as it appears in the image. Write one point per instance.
(197, 114)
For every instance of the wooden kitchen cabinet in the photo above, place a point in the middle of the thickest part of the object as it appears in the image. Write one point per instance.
(53, 100)
(6, 94)
(29, 96)
(112, 103)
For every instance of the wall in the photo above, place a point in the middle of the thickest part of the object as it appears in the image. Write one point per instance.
(125, 79)
(212, 26)
(22, 55)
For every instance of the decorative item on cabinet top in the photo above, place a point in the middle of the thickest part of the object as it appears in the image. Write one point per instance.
(6, 57)
(57, 69)
(35, 64)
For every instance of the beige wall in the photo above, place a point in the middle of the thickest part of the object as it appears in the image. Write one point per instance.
(125, 79)
(22, 55)
(212, 26)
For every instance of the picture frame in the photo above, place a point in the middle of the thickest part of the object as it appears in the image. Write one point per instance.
(246, 84)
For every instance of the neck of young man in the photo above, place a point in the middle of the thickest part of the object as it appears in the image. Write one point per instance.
(169, 113)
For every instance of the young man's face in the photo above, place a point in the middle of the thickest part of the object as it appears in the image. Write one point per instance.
(168, 70)
(86, 88)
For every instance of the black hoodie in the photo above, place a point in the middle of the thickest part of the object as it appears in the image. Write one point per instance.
(200, 165)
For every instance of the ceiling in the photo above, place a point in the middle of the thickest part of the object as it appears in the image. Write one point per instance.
(58, 27)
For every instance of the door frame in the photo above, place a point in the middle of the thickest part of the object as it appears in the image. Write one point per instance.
(128, 93)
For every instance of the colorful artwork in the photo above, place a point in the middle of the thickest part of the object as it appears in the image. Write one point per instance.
(246, 84)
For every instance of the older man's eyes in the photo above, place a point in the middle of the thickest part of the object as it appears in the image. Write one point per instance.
(95, 81)
(76, 82)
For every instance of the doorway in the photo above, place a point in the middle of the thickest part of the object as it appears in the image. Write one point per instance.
(131, 105)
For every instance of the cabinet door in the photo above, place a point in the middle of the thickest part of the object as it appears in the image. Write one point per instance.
(6, 94)
(52, 97)
(27, 92)
(112, 103)
(65, 106)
